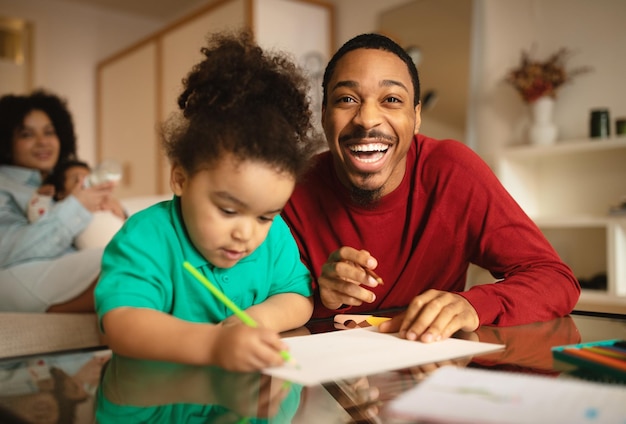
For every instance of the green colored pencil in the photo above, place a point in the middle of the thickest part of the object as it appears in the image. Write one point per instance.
(244, 317)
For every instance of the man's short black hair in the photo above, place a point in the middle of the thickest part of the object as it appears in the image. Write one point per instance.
(377, 42)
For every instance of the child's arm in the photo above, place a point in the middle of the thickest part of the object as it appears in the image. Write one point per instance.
(284, 311)
(149, 334)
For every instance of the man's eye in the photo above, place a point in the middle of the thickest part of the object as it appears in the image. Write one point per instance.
(393, 100)
(345, 99)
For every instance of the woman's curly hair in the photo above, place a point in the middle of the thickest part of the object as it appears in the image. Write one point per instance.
(245, 101)
(13, 111)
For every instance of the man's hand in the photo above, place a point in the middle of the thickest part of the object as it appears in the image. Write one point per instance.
(433, 315)
(342, 278)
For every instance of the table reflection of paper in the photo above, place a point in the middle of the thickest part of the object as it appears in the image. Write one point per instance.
(354, 353)
(485, 396)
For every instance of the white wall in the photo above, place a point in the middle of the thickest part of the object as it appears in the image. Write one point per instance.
(594, 30)
(354, 17)
(70, 39)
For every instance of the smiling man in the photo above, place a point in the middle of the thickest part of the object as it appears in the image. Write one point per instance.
(415, 209)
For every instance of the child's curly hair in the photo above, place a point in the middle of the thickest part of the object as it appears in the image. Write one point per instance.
(245, 101)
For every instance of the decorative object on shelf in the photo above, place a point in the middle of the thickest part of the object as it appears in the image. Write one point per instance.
(619, 209)
(599, 123)
(620, 126)
(542, 131)
(596, 282)
(534, 79)
(537, 83)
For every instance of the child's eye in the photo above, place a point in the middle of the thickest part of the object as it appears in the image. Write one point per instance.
(226, 211)
(266, 218)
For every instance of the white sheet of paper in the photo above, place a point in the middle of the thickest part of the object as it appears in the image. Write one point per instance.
(503, 397)
(359, 352)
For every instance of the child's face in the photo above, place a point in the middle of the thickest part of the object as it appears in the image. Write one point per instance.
(228, 209)
(36, 144)
(73, 176)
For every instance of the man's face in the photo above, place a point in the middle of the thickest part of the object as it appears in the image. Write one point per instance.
(369, 121)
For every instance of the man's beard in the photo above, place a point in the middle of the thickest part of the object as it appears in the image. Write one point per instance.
(365, 197)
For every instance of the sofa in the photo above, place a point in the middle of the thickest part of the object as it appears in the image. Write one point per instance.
(33, 333)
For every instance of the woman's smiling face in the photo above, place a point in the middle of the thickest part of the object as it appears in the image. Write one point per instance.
(35, 143)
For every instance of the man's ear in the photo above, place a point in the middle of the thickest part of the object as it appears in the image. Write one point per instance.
(418, 118)
(178, 178)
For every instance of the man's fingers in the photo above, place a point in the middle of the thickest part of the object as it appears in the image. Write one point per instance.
(436, 315)
(333, 299)
(414, 323)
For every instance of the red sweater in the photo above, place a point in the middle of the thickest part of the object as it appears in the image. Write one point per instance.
(449, 211)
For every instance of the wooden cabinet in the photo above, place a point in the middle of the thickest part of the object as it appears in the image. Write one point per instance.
(568, 189)
(137, 88)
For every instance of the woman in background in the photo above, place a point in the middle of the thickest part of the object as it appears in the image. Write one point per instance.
(40, 269)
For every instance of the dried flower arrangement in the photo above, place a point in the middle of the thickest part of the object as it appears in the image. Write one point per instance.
(534, 79)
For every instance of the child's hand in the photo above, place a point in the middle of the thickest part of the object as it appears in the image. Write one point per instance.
(238, 347)
(46, 190)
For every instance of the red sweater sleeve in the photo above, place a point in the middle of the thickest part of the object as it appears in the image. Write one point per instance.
(535, 285)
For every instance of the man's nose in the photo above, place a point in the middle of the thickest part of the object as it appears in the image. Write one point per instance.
(368, 115)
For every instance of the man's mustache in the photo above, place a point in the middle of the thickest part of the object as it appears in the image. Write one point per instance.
(372, 134)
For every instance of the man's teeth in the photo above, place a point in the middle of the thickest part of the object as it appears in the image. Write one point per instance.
(368, 148)
(369, 153)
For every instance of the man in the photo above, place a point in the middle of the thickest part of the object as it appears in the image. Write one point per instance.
(415, 209)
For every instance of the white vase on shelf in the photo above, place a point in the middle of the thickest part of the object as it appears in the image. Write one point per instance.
(542, 131)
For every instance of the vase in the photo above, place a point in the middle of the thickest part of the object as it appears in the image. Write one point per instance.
(542, 131)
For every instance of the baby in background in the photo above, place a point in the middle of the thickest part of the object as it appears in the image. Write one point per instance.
(58, 186)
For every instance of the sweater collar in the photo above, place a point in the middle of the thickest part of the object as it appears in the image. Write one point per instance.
(22, 175)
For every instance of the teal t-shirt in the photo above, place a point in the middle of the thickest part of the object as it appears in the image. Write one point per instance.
(142, 267)
(154, 392)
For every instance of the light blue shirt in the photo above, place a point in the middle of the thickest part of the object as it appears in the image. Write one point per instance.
(50, 236)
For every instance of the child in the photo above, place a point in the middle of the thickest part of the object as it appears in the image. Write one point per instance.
(236, 151)
(104, 224)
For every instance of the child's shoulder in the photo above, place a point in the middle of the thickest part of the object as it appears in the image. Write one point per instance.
(150, 219)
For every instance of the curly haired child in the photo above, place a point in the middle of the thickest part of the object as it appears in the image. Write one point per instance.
(242, 139)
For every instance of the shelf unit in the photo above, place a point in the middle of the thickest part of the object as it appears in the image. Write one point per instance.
(568, 189)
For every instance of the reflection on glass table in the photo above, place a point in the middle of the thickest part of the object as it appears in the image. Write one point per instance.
(146, 391)
(528, 351)
(76, 387)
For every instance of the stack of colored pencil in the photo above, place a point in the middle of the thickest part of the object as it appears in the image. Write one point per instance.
(607, 357)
